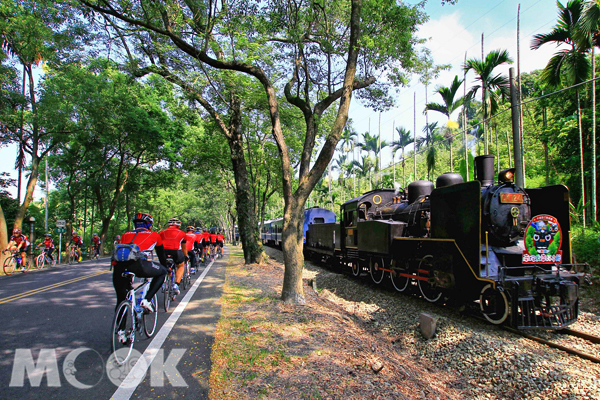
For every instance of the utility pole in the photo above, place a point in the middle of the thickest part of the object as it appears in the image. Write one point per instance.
(514, 112)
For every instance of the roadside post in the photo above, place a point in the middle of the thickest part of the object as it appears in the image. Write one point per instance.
(31, 238)
(61, 227)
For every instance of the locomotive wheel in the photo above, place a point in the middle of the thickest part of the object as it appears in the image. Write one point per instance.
(356, 268)
(429, 291)
(400, 283)
(376, 265)
(494, 305)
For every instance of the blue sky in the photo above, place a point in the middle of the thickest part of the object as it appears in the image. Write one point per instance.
(453, 30)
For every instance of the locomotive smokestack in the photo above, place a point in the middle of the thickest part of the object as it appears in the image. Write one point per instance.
(484, 169)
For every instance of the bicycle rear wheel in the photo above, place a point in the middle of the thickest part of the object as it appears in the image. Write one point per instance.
(150, 320)
(167, 293)
(51, 262)
(123, 332)
(9, 266)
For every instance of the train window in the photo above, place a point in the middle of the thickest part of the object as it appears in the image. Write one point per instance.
(319, 221)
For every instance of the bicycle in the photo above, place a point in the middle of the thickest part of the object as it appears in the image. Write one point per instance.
(94, 252)
(131, 318)
(168, 290)
(14, 263)
(219, 252)
(186, 279)
(73, 254)
(44, 259)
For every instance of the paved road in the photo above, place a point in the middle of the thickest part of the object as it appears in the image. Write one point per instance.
(51, 317)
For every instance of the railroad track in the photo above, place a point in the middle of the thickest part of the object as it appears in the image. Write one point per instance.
(591, 338)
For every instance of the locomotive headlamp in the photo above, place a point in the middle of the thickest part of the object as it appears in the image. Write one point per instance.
(507, 175)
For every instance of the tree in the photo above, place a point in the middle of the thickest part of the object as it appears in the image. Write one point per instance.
(448, 107)
(327, 50)
(569, 66)
(488, 84)
(404, 139)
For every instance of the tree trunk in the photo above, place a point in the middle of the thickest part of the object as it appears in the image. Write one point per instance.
(3, 234)
(293, 220)
(247, 224)
(581, 158)
(31, 183)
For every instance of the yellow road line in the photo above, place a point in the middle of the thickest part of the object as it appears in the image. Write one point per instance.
(49, 287)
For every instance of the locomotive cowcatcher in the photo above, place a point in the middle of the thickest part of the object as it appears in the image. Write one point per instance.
(495, 247)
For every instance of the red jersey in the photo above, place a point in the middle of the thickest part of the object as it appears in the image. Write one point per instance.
(146, 240)
(190, 239)
(77, 239)
(220, 237)
(96, 240)
(48, 243)
(213, 238)
(206, 237)
(172, 238)
(19, 239)
(199, 237)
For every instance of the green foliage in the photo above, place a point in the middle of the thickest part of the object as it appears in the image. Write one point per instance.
(586, 246)
(529, 241)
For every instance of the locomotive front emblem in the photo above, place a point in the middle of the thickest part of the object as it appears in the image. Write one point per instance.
(543, 238)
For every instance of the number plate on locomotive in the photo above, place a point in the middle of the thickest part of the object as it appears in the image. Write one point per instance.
(514, 198)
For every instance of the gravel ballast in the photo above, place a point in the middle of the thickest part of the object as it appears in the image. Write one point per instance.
(491, 363)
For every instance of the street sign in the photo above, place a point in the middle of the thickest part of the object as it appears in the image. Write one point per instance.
(61, 230)
(61, 223)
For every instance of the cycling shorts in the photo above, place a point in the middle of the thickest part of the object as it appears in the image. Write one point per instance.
(176, 255)
(205, 244)
(220, 243)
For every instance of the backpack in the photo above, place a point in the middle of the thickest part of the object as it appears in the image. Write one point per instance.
(128, 252)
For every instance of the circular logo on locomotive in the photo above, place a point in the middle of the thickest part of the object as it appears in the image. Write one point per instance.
(543, 238)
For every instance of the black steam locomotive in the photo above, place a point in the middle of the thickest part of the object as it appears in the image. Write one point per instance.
(499, 248)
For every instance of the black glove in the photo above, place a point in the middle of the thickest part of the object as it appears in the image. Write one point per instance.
(186, 258)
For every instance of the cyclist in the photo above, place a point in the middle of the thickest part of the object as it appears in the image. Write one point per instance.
(18, 242)
(189, 243)
(198, 245)
(78, 243)
(95, 242)
(48, 245)
(220, 241)
(205, 243)
(147, 241)
(213, 241)
(174, 240)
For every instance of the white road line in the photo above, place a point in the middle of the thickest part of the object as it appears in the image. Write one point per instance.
(139, 370)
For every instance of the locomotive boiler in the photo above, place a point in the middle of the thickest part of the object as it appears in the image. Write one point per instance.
(490, 245)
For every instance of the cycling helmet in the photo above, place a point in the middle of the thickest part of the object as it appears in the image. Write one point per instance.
(143, 221)
(190, 229)
(16, 231)
(143, 217)
(118, 237)
(174, 222)
(95, 234)
(205, 230)
(74, 233)
(48, 234)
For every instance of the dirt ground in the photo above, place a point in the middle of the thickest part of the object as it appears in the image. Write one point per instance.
(271, 350)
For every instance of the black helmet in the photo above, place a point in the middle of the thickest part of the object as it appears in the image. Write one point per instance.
(143, 217)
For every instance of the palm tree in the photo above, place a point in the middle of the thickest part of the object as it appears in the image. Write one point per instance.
(428, 141)
(404, 139)
(364, 167)
(568, 66)
(340, 164)
(488, 83)
(450, 105)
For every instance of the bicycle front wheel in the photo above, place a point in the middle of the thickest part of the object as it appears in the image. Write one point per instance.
(151, 320)
(123, 332)
(9, 266)
(39, 261)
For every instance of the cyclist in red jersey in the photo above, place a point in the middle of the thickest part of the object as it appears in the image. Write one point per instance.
(198, 243)
(147, 241)
(220, 240)
(205, 242)
(174, 240)
(48, 245)
(189, 243)
(18, 242)
(78, 242)
(96, 244)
